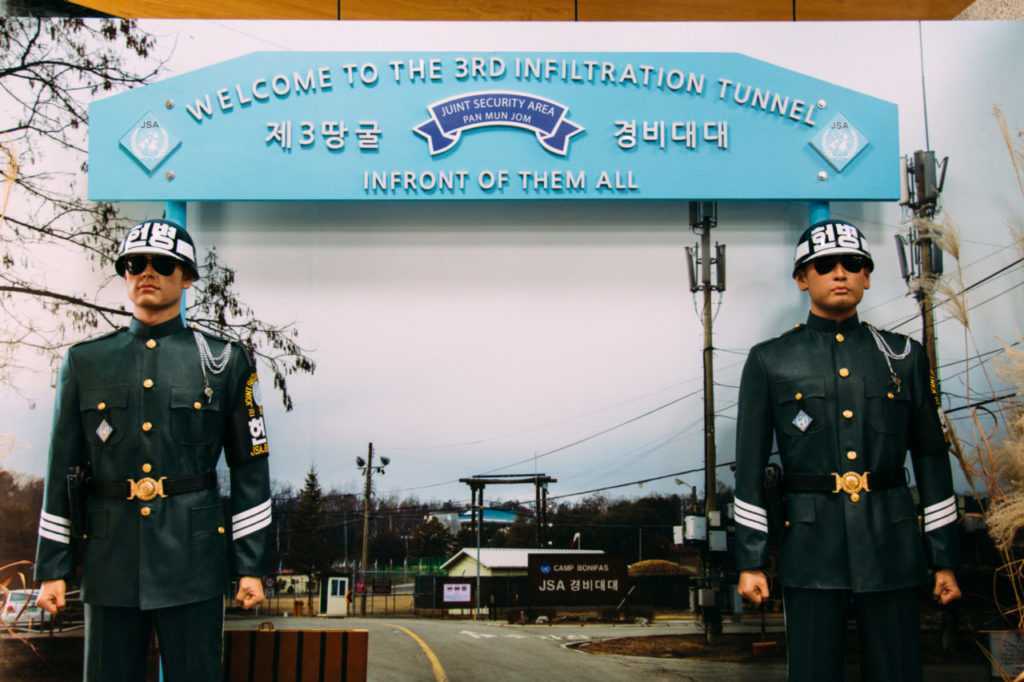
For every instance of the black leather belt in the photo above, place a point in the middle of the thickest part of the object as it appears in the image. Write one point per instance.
(146, 489)
(851, 482)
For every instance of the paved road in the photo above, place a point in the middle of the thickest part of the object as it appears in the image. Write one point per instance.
(426, 650)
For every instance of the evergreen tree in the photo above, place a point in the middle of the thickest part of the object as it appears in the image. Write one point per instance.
(309, 550)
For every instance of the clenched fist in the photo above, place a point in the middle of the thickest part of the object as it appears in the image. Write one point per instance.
(753, 586)
(51, 596)
(946, 589)
(250, 592)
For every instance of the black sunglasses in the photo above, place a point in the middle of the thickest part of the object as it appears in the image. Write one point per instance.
(851, 263)
(136, 265)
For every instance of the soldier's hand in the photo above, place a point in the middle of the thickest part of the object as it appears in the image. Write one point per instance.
(250, 592)
(753, 586)
(51, 596)
(946, 589)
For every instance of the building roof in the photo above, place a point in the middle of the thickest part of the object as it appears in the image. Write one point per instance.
(496, 516)
(510, 557)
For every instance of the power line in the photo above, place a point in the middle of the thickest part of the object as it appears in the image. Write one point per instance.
(560, 448)
(637, 482)
(970, 368)
(978, 356)
(981, 403)
(981, 281)
(597, 434)
(632, 457)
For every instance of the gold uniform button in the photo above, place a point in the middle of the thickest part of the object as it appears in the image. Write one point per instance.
(840, 338)
(101, 406)
(848, 414)
(798, 396)
(220, 529)
(787, 524)
(147, 426)
(197, 405)
(148, 383)
(843, 372)
(151, 343)
(147, 467)
(851, 455)
(145, 511)
(890, 395)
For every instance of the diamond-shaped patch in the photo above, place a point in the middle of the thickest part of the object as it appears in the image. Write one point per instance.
(104, 430)
(150, 142)
(802, 420)
(840, 142)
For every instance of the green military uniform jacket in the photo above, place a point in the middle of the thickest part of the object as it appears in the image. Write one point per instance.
(860, 421)
(131, 405)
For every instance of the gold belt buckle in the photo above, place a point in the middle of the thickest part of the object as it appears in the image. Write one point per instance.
(146, 489)
(852, 484)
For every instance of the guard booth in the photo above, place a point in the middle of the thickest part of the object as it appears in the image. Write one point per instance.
(335, 596)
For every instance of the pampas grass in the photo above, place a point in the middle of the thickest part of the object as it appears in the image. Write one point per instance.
(1016, 154)
(999, 463)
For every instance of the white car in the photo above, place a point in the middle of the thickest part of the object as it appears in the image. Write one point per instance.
(18, 607)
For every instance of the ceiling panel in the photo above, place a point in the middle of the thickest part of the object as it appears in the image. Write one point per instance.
(459, 10)
(223, 9)
(865, 10)
(692, 10)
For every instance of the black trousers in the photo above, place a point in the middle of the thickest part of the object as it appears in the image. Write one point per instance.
(888, 624)
(190, 639)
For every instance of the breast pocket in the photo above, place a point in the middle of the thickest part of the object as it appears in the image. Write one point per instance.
(888, 408)
(194, 420)
(104, 414)
(799, 407)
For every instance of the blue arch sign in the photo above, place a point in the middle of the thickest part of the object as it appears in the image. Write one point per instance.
(518, 125)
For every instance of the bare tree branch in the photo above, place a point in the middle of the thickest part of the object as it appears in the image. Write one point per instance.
(49, 69)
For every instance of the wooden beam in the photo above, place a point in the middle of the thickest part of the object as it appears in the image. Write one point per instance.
(873, 10)
(459, 10)
(690, 10)
(224, 9)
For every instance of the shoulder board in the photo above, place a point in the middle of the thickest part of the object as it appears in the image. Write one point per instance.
(799, 326)
(99, 337)
(892, 336)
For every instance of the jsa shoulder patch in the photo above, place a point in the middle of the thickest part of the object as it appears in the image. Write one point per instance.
(259, 446)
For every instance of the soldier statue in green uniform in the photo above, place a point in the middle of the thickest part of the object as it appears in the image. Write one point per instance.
(845, 402)
(131, 495)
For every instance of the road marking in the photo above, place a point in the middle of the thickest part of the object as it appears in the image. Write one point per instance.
(435, 663)
(477, 635)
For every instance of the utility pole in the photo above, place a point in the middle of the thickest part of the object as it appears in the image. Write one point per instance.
(703, 218)
(923, 180)
(479, 526)
(368, 470)
(367, 488)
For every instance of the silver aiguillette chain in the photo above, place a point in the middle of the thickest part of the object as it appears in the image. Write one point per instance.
(210, 363)
(889, 354)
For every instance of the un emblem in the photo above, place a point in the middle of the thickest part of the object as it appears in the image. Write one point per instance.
(840, 142)
(149, 142)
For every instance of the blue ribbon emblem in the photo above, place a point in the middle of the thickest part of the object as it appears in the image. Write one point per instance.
(544, 117)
